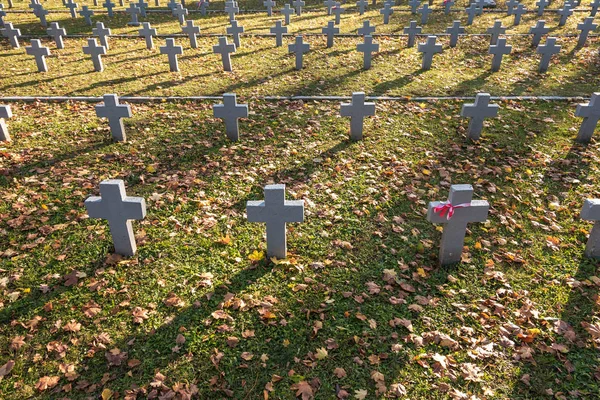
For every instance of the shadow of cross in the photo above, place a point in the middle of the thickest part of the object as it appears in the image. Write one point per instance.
(191, 30)
(12, 34)
(230, 111)
(357, 110)
(412, 30)
(367, 48)
(57, 33)
(118, 209)
(103, 33)
(455, 30)
(95, 52)
(5, 112)
(429, 49)
(591, 115)
(499, 50)
(478, 112)
(538, 31)
(456, 213)
(224, 49)
(299, 48)
(40, 53)
(275, 211)
(171, 50)
(547, 51)
(278, 30)
(591, 212)
(585, 27)
(115, 113)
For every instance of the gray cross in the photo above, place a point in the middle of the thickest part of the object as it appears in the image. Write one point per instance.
(591, 114)
(5, 112)
(510, 5)
(235, 31)
(203, 6)
(96, 52)
(109, 7)
(57, 33)
(414, 4)
(102, 33)
(278, 30)
(412, 31)
(591, 212)
(338, 10)
(478, 112)
(448, 5)
(134, 11)
(275, 211)
(224, 49)
(143, 6)
(367, 48)
(230, 111)
(496, 31)
(41, 13)
(171, 50)
(231, 8)
(357, 110)
(468, 210)
(564, 13)
(172, 4)
(547, 51)
(541, 6)
(367, 29)
(498, 50)
(386, 11)
(329, 4)
(192, 31)
(147, 32)
(269, 4)
(362, 5)
(471, 11)
(330, 30)
(538, 31)
(585, 27)
(480, 5)
(298, 4)
(40, 53)
(118, 209)
(72, 7)
(425, 11)
(518, 12)
(12, 34)
(87, 14)
(180, 13)
(429, 49)
(454, 31)
(2, 15)
(299, 48)
(287, 11)
(115, 113)
(595, 4)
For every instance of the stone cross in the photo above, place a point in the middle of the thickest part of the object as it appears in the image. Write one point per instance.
(2, 15)
(357, 110)
(119, 209)
(591, 114)
(203, 6)
(424, 11)
(192, 31)
(231, 8)
(299, 48)
(338, 10)
(172, 4)
(235, 31)
(412, 30)
(40, 53)
(41, 13)
(591, 212)
(180, 13)
(595, 4)
(454, 31)
(115, 113)
(362, 5)
(541, 6)
(269, 4)
(109, 8)
(87, 14)
(143, 6)
(538, 31)
(330, 30)
(496, 31)
(298, 4)
(564, 13)
(224, 49)
(585, 27)
(518, 12)
(96, 52)
(147, 32)
(134, 11)
(448, 6)
(171, 50)
(471, 11)
(414, 4)
(510, 6)
(12, 34)
(464, 210)
(499, 50)
(478, 112)
(386, 11)
(5, 112)
(429, 49)
(275, 211)
(367, 29)
(230, 111)
(480, 5)
(287, 11)
(72, 7)
(329, 4)
(102, 33)
(278, 30)
(547, 51)
(57, 33)
(367, 48)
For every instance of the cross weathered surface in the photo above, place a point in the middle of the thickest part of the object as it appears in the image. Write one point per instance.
(510, 6)
(269, 4)
(477, 112)
(455, 30)
(425, 11)
(495, 31)
(276, 212)
(109, 7)
(118, 209)
(591, 114)
(357, 110)
(362, 6)
(40, 53)
(547, 51)
(499, 50)
(366, 29)
(591, 212)
(538, 31)
(12, 34)
(191, 30)
(115, 113)
(171, 50)
(224, 49)
(471, 11)
(518, 12)
(329, 4)
(541, 6)
(412, 30)
(429, 49)
(337, 11)
(72, 7)
(564, 13)
(448, 6)
(414, 4)
(585, 27)
(232, 8)
(298, 4)
(299, 48)
(96, 52)
(367, 48)
(143, 6)
(180, 13)
(230, 111)
(57, 33)
(86, 13)
(133, 11)
(278, 30)
(148, 33)
(287, 11)
(330, 30)
(595, 4)
(41, 13)
(103, 34)
(459, 210)
(386, 11)
(5, 112)
(235, 31)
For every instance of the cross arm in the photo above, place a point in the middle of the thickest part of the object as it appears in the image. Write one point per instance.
(591, 210)
(293, 211)
(477, 211)
(5, 112)
(256, 211)
(94, 207)
(134, 207)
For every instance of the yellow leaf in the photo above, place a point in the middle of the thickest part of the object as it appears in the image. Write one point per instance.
(426, 172)
(256, 256)
(321, 354)
(150, 169)
(226, 240)
(107, 394)
(478, 245)
(286, 343)
(421, 272)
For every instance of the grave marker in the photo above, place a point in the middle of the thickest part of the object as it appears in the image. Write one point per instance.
(329, 4)
(541, 6)
(495, 31)
(591, 212)
(585, 27)
(471, 11)
(2, 15)
(429, 49)
(109, 7)
(564, 13)
(412, 30)
(95, 52)
(41, 13)
(180, 13)
(299, 48)
(278, 30)
(147, 32)
(72, 7)
(547, 51)
(425, 11)
(366, 29)
(133, 11)
(538, 31)
(231, 8)
(230, 111)
(12, 34)
(362, 6)
(287, 11)
(330, 30)
(298, 4)
(499, 50)
(518, 12)
(235, 31)
(192, 31)
(510, 6)
(143, 6)
(357, 110)
(338, 10)
(269, 4)
(595, 4)
(57, 33)
(386, 11)
(477, 112)
(591, 114)
(40, 53)
(448, 6)
(171, 50)
(414, 4)
(86, 13)
(367, 48)
(5, 113)
(114, 112)
(455, 30)
(224, 49)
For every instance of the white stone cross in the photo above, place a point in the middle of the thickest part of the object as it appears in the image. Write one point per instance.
(115, 113)
(591, 212)
(585, 27)
(180, 13)
(425, 11)
(538, 31)
(278, 30)
(57, 33)
(478, 112)
(412, 31)
(429, 49)
(275, 211)
(499, 50)
(386, 11)
(109, 7)
(591, 114)
(299, 48)
(330, 30)
(72, 7)
(40, 12)
(459, 210)
(12, 34)
(86, 13)
(143, 6)
(541, 6)
(235, 31)
(518, 12)
(230, 111)
(414, 4)
(40, 53)
(298, 4)
(362, 6)
(495, 31)
(134, 11)
(232, 8)
(5, 112)
(224, 49)
(367, 29)
(547, 51)
(595, 4)
(96, 52)
(471, 11)
(191, 31)
(510, 6)
(171, 50)
(269, 4)
(338, 10)
(329, 4)
(564, 13)
(455, 30)
(118, 209)
(357, 110)
(367, 48)
(287, 11)
(147, 32)
(103, 34)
